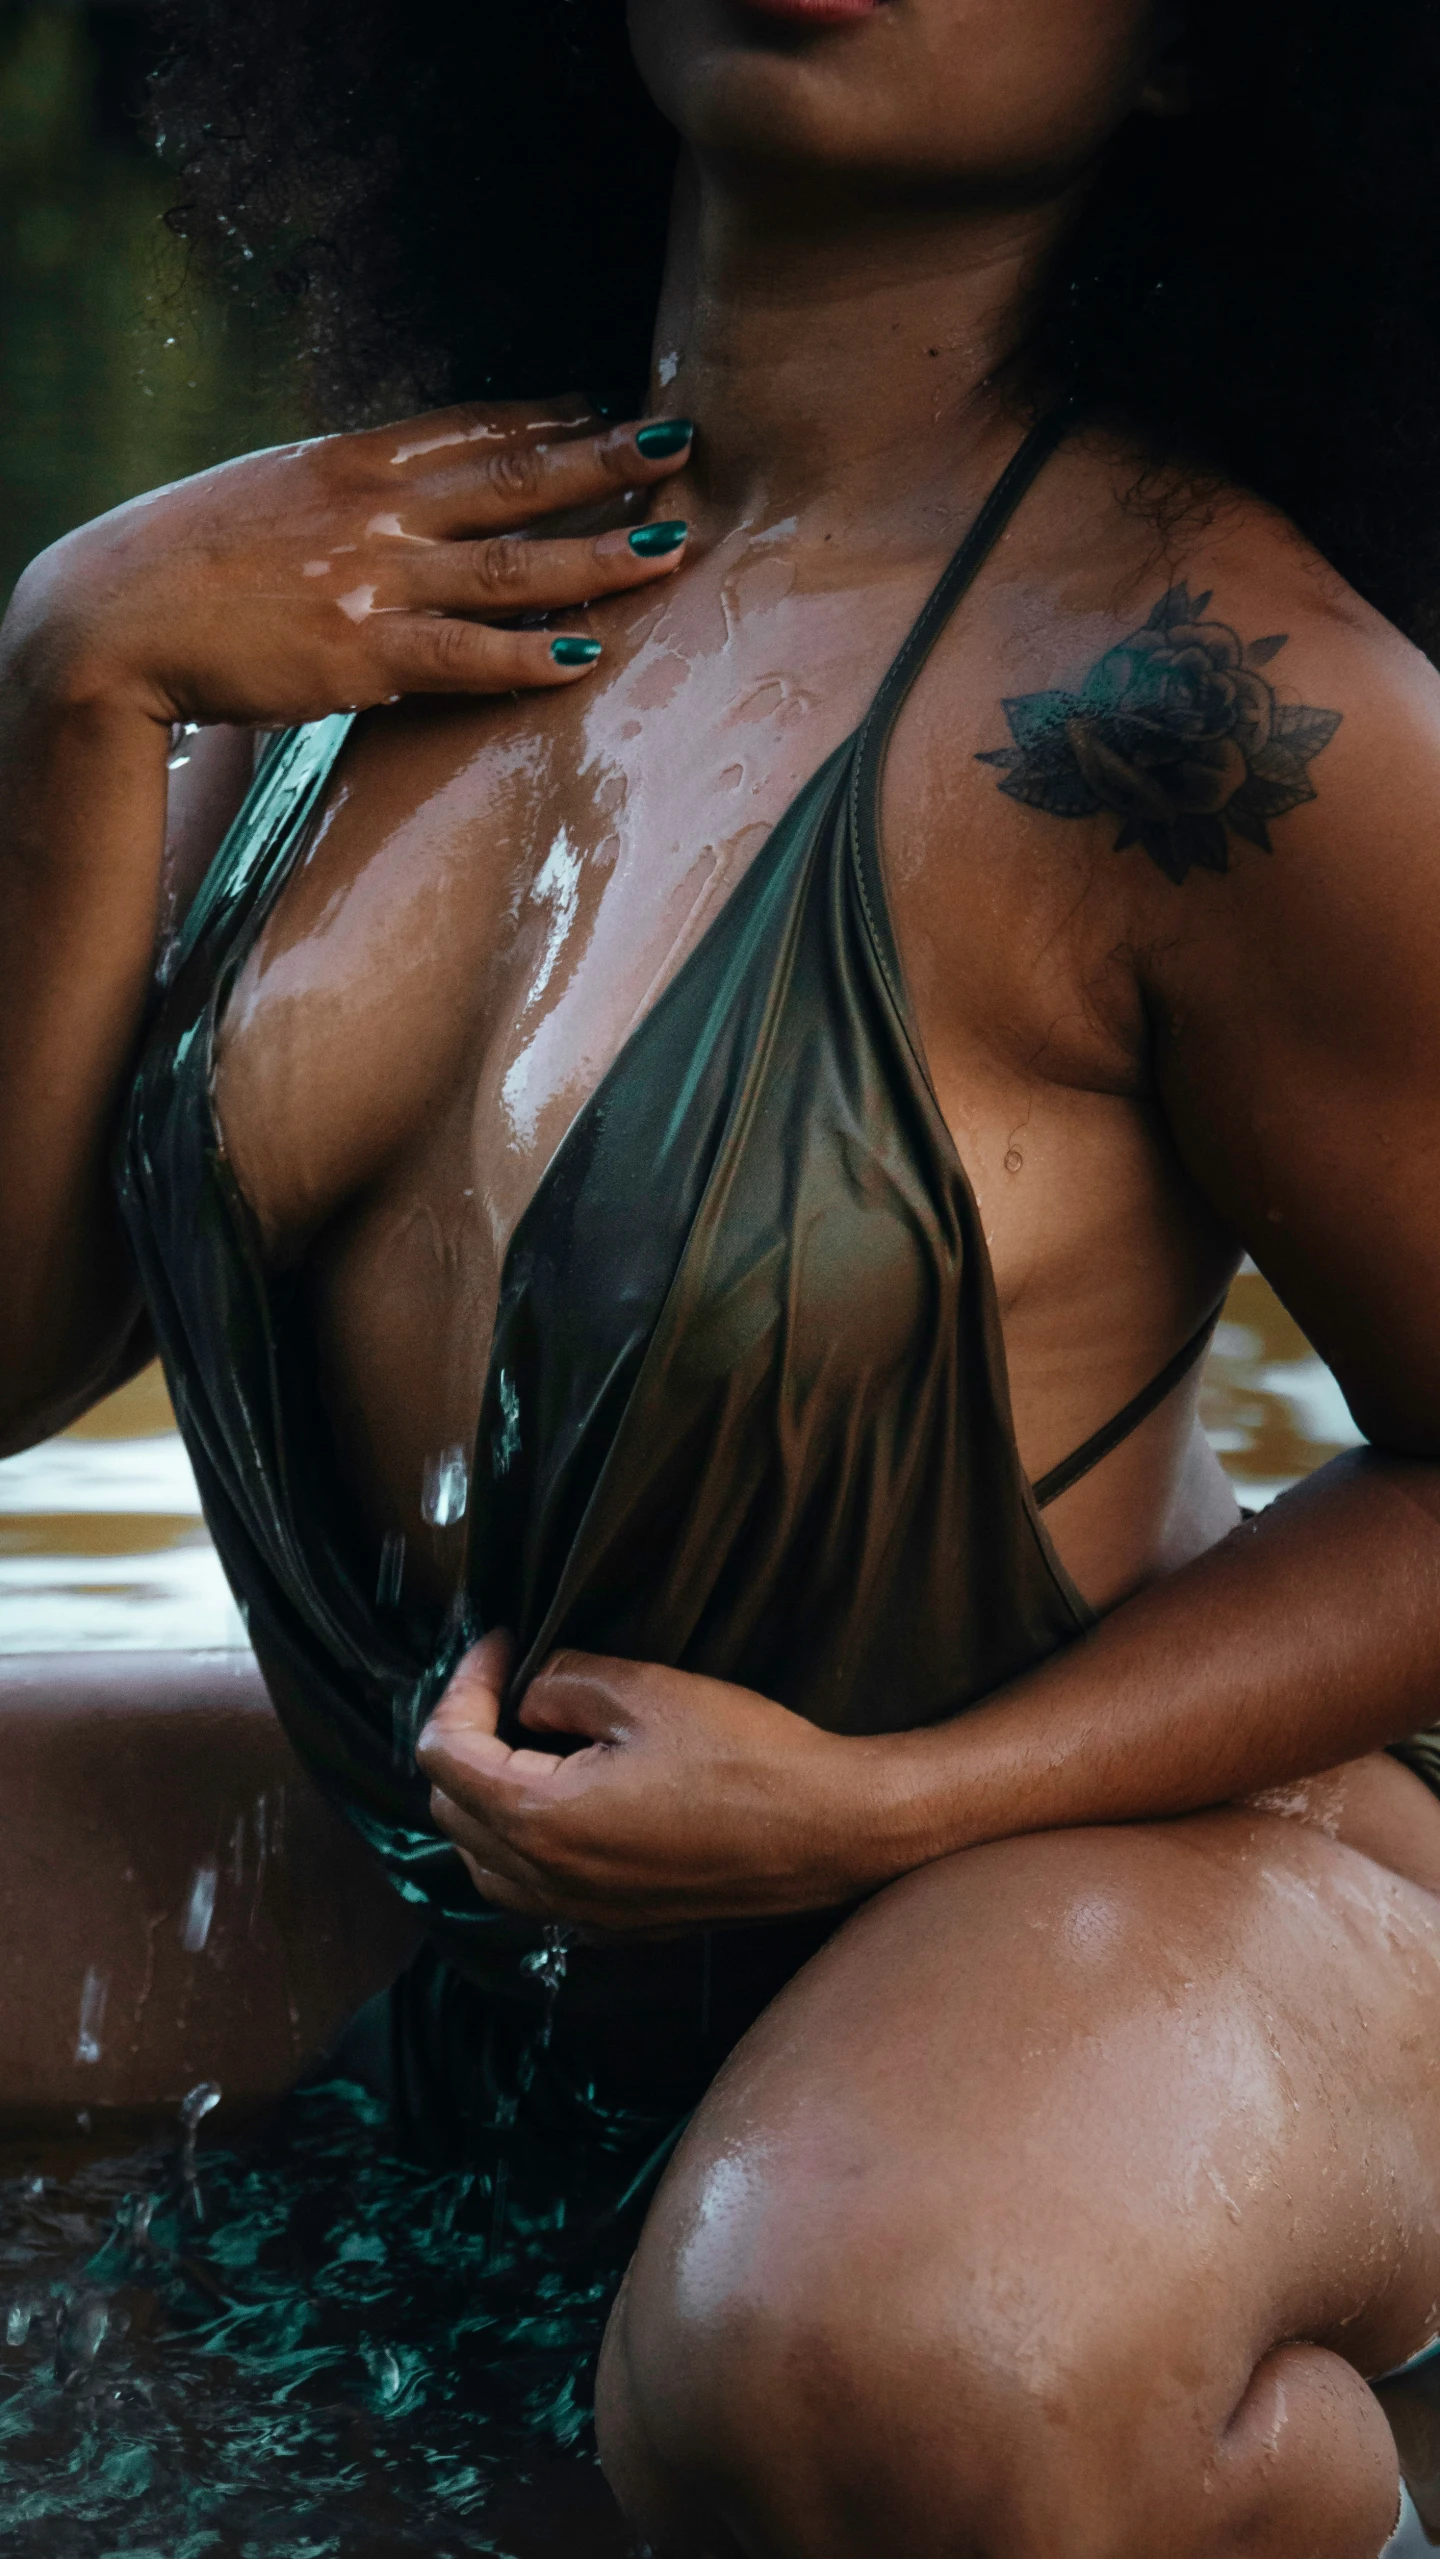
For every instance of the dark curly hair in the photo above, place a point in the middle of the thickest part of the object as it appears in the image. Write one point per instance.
(469, 198)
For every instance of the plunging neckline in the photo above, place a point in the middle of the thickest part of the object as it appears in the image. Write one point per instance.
(317, 748)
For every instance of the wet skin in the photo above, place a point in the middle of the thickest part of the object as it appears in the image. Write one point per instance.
(999, 2233)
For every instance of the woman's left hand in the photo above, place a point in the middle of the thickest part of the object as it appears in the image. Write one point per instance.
(692, 1801)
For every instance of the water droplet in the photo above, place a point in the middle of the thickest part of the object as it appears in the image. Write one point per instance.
(201, 2101)
(446, 1490)
(549, 1963)
(200, 1909)
(92, 2015)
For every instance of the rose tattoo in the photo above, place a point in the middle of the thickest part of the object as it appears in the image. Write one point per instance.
(1177, 732)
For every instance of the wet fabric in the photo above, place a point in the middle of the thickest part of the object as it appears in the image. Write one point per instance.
(746, 1409)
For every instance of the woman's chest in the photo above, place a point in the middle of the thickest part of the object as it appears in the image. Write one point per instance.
(484, 916)
(494, 896)
(492, 899)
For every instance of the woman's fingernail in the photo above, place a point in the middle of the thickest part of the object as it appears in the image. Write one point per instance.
(652, 541)
(572, 652)
(663, 437)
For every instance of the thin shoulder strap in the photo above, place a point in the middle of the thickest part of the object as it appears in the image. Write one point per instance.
(1140, 1407)
(872, 738)
(955, 582)
(1013, 485)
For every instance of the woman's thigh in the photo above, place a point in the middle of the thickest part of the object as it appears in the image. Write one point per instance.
(1058, 2206)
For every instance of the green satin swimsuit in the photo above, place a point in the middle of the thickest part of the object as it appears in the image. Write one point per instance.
(746, 1408)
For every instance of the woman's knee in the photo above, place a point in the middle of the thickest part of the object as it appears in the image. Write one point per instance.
(876, 2392)
(833, 2390)
(988, 2289)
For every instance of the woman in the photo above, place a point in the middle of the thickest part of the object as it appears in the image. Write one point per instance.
(543, 1167)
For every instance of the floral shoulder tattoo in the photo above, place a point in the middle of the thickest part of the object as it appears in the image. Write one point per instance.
(1177, 732)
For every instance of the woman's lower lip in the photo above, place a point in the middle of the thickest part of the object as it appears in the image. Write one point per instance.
(813, 13)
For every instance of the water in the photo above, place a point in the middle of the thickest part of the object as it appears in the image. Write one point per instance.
(1272, 1409)
(102, 1546)
(302, 2346)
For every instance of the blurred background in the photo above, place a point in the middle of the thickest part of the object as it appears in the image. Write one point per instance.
(119, 370)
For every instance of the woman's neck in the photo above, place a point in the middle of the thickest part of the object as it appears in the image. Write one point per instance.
(843, 361)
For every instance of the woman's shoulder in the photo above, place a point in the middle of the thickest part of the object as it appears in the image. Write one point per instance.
(1201, 679)
(1133, 521)
(1249, 751)
(1187, 763)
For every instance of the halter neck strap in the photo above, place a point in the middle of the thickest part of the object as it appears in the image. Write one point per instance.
(955, 581)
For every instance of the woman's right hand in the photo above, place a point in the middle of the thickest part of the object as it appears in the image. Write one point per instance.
(334, 574)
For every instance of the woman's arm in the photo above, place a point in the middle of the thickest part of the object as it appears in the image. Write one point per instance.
(82, 821)
(315, 578)
(1309, 1637)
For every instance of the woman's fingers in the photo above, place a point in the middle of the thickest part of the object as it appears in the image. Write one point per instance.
(506, 574)
(483, 1847)
(424, 646)
(424, 653)
(478, 486)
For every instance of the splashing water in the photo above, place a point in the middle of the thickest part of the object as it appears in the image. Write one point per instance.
(202, 2101)
(548, 1964)
(330, 2366)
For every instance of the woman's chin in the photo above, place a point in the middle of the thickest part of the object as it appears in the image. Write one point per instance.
(770, 84)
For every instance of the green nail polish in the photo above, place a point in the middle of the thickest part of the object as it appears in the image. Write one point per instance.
(666, 436)
(571, 652)
(652, 541)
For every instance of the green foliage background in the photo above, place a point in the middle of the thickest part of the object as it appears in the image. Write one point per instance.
(118, 370)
